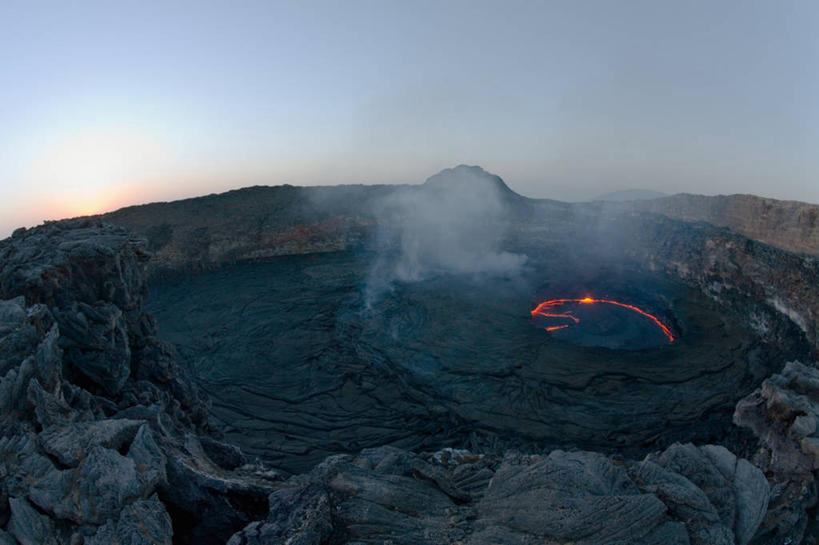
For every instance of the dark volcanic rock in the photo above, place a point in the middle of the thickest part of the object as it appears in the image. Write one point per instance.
(581, 497)
(28, 526)
(70, 442)
(298, 516)
(783, 413)
(95, 415)
(96, 344)
(390, 495)
(737, 492)
(143, 521)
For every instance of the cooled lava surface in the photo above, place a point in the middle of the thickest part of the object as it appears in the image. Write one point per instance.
(299, 366)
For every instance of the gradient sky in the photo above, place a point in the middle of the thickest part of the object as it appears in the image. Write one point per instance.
(114, 103)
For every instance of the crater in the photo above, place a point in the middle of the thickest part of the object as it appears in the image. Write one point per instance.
(301, 363)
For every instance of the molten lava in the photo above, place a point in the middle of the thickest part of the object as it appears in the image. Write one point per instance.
(550, 309)
(556, 327)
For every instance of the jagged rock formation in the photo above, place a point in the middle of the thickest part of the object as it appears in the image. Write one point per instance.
(783, 413)
(683, 495)
(99, 427)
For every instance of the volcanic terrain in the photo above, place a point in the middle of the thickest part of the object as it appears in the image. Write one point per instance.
(449, 362)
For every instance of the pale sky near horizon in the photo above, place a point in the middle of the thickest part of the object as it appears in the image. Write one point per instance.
(106, 104)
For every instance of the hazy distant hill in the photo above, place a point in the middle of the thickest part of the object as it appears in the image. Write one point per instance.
(630, 195)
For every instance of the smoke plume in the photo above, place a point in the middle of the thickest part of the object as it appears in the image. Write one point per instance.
(454, 223)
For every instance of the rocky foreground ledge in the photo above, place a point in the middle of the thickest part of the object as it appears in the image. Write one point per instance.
(104, 440)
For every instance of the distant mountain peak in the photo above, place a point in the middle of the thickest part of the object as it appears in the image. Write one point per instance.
(465, 177)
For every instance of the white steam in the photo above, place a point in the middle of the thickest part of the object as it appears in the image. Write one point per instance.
(453, 224)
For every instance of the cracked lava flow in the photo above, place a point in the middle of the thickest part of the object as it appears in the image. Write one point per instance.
(553, 308)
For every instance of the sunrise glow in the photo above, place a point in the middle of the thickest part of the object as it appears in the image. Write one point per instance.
(91, 170)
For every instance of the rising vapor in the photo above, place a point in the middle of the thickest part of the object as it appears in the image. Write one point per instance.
(454, 223)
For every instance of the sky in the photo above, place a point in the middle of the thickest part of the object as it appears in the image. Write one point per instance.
(106, 104)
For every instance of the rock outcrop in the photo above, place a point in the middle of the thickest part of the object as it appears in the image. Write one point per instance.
(99, 428)
(683, 495)
(783, 413)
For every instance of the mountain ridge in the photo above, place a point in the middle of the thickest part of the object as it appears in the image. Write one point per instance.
(266, 221)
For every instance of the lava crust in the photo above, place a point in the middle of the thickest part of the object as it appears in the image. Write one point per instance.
(299, 367)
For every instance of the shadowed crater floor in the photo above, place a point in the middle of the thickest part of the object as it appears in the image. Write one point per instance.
(299, 366)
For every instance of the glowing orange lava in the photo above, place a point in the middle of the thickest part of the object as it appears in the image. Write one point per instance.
(544, 309)
(555, 327)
